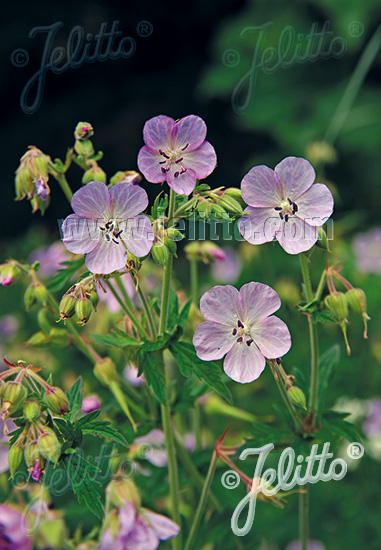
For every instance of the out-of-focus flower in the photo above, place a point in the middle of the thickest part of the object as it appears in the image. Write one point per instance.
(240, 326)
(50, 258)
(109, 299)
(227, 269)
(176, 152)
(90, 404)
(154, 447)
(9, 326)
(13, 529)
(311, 545)
(367, 247)
(7, 426)
(284, 204)
(130, 373)
(104, 221)
(42, 188)
(372, 424)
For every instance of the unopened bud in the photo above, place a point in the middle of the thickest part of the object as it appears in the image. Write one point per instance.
(59, 337)
(56, 401)
(219, 212)
(83, 131)
(67, 306)
(94, 299)
(83, 309)
(39, 340)
(204, 209)
(160, 253)
(120, 492)
(23, 184)
(171, 245)
(297, 397)
(14, 395)
(105, 371)
(29, 297)
(231, 205)
(15, 457)
(234, 193)
(174, 234)
(337, 305)
(32, 410)
(42, 188)
(48, 446)
(322, 241)
(84, 148)
(41, 293)
(9, 274)
(357, 302)
(94, 173)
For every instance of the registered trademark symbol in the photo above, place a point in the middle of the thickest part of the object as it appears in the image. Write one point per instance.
(355, 450)
(144, 28)
(356, 29)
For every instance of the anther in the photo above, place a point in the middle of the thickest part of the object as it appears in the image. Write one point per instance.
(278, 208)
(176, 174)
(249, 342)
(295, 207)
(281, 215)
(114, 241)
(185, 147)
(240, 325)
(286, 218)
(108, 237)
(240, 339)
(179, 160)
(289, 201)
(234, 331)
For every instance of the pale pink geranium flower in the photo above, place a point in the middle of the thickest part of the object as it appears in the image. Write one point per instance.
(239, 326)
(176, 152)
(13, 529)
(106, 221)
(367, 247)
(284, 204)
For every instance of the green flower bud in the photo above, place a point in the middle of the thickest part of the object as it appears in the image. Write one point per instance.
(43, 320)
(14, 395)
(67, 306)
(56, 401)
(23, 184)
(297, 397)
(337, 305)
(105, 371)
(1, 386)
(39, 166)
(357, 302)
(59, 337)
(322, 241)
(94, 174)
(231, 205)
(39, 340)
(83, 309)
(219, 212)
(121, 491)
(48, 446)
(84, 148)
(160, 253)
(32, 410)
(9, 273)
(204, 209)
(171, 245)
(15, 457)
(29, 297)
(234, 193)
(83, 131)
(94, 298)
(174, 234)
(41, 293)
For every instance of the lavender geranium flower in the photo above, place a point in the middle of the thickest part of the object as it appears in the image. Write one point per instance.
(367, 247)
(240, 326)
(228, 269)
(106, 221)
(372, 424)
(176, 152)
(5, 427)
(284, 204)
(311, 545)
(50, 258)
(90, 403)
(13, 529)
(111, 302)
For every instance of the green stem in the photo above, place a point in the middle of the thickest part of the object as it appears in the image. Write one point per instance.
(146, 308)
(320, 288)
(121, 399)
(127, 310)
(201, 504)
(304, 519)
(290, 407)
(61, 178)
(194, 280)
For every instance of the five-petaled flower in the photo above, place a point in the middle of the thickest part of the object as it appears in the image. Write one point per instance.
(239, 325)
(284, 204)
(105, 223)
(176, 152)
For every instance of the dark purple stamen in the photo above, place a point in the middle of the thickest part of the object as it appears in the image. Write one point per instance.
(163, 170)
(108, 237)
(278, 208)
(114, 241)
(162, 162)
(102, 228)
(234, 331)
(286, 218)
(164, 155)
(277, 361)
(240, 325)
(294, 208)
(249, 342)
(289, 201)
(281, 215)
(176, 174)
(187, 145)
(117, 234)
(179, 160)
(240, 339)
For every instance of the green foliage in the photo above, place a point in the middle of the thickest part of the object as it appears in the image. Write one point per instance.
(63, 276)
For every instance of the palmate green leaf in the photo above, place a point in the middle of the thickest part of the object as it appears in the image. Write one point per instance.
(75, 397)
(188, 362)
(90, 417)
(315, 309)
(327, 364)
(118, 339)
(150, 365)
(82, 476)
(335, 422)
(104, 429)
(62, 278)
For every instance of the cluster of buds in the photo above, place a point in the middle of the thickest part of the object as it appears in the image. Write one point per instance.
(165, 242)
(32, 177)
(204, 251)
(339, 303)
(31, 403)
(80, 300)
(9, 273)
(221, 203)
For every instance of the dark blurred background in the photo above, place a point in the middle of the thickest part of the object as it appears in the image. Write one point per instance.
(182, 68)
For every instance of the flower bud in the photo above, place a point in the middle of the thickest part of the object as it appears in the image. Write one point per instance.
(121, 491)
(39, 340)
(160, 253)
(130, 176)
(95, 173)
(337, 305)
(297, 396)
(33, 460)
(105, 371)
(83, 309)
(41, 293)
(56, 401)
(234, 193)
(42, 189)
(59, 337)
(48, 446)
(84, 148)
(14, 395)
(32, 410)
(67, 306)
(29, 297)
(174, 234)
(15, 457)
(322, 241)
(23, 184)
(38, 166)
(171, 245)
(231, 205)
(94, 298)
(9, 274)
(357, 302)
(204, 209)
(83, 131)
(219, 212)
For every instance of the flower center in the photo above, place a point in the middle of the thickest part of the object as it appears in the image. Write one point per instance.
(286, 209)
(111, 231)
(243, 334)
(173, 158)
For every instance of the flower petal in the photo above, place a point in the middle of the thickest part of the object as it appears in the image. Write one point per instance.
(213, 340)
(80, 235)
(183, 183)
(315, 205)
(221, 304)
(106, 257)
(260, 187)
(128, 200)
(148, 163)
(165, 528)
(295, 175)
(272, 337)
(202, 161)
(188, 132)
(142, 537)
(157, 133)
(244, 363)
(138, 235)
(297, 236)
(4, 465)
(127, 518)
(259, 225)
(92, 201)
(257, 302)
